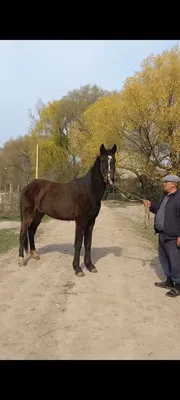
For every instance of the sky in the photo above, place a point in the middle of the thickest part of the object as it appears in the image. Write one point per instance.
(47, 69)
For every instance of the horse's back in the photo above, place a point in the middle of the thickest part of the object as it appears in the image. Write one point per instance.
(35, 190)
(38, 186)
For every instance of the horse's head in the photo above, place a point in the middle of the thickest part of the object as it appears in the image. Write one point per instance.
(107, 164)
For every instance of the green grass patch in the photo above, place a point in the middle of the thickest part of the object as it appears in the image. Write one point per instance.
(46, 218)
(119, 203)
(10, 218)
(9, 238)
(17, 218)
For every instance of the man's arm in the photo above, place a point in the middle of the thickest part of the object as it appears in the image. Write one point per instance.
(153, 207)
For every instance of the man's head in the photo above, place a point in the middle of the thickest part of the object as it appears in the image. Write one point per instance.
(170, 183)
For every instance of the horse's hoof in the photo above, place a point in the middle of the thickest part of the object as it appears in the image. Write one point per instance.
(35, 255)
(22, 263)
(79, 274)
(94, 270)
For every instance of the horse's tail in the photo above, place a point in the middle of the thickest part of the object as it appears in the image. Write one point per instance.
(25, 243)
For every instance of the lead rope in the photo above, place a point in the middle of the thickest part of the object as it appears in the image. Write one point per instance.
(146, 216)
(146, 212)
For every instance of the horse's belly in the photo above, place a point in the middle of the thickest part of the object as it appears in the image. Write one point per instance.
(62, 209)
(68, 208)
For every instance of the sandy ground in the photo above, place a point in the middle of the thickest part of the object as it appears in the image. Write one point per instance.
(46, 312)
(9, 224)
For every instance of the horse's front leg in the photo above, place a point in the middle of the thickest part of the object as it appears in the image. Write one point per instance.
(79, 233)
(87, 245)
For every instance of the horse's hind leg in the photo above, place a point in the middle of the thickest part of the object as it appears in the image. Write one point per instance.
(31, 231)
(87, 245)
(78, 244)
(23, 242)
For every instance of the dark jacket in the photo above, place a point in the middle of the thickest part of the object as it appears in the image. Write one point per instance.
(172, 215)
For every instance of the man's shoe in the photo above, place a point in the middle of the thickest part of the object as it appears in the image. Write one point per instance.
(166, 285)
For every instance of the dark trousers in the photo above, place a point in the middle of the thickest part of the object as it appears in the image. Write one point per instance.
(169, 256)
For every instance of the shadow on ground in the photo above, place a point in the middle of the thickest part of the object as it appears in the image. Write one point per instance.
(66, 248)
(155, 265)
(99, 252)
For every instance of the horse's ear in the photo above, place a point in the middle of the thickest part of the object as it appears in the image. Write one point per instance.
(114, 149)
(102, 149)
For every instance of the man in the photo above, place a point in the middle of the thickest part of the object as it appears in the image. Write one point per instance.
(167, 225)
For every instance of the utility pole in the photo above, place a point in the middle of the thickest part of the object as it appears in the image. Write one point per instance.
(5, 169)
(37, 161)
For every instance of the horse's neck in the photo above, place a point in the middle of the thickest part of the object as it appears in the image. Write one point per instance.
(97, 180)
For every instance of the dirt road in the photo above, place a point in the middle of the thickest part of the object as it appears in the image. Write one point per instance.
(46, 312)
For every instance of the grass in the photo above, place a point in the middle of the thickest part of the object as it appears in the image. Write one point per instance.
(8, 239)
(46, 218)
(119, 203)
(17, 218)
(10, 218)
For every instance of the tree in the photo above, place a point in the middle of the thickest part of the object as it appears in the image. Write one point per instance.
(50, 128)
(100, 123)
(17, 159)
(143, 119)
(151, 113)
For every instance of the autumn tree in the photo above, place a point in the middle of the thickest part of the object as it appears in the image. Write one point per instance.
(99, 124)
(151, 114)
(16, 157)
(50, 128)
(143, 119)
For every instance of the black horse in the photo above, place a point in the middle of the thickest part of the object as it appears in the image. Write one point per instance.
(78, 200)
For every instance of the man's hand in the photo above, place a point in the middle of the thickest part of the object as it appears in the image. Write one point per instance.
(147, 203)
(178, 241)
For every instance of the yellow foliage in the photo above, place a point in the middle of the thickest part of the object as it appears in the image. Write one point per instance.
(49, 154)
(48, 133)
(151, 107)
(99, 124)
(143, 119)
